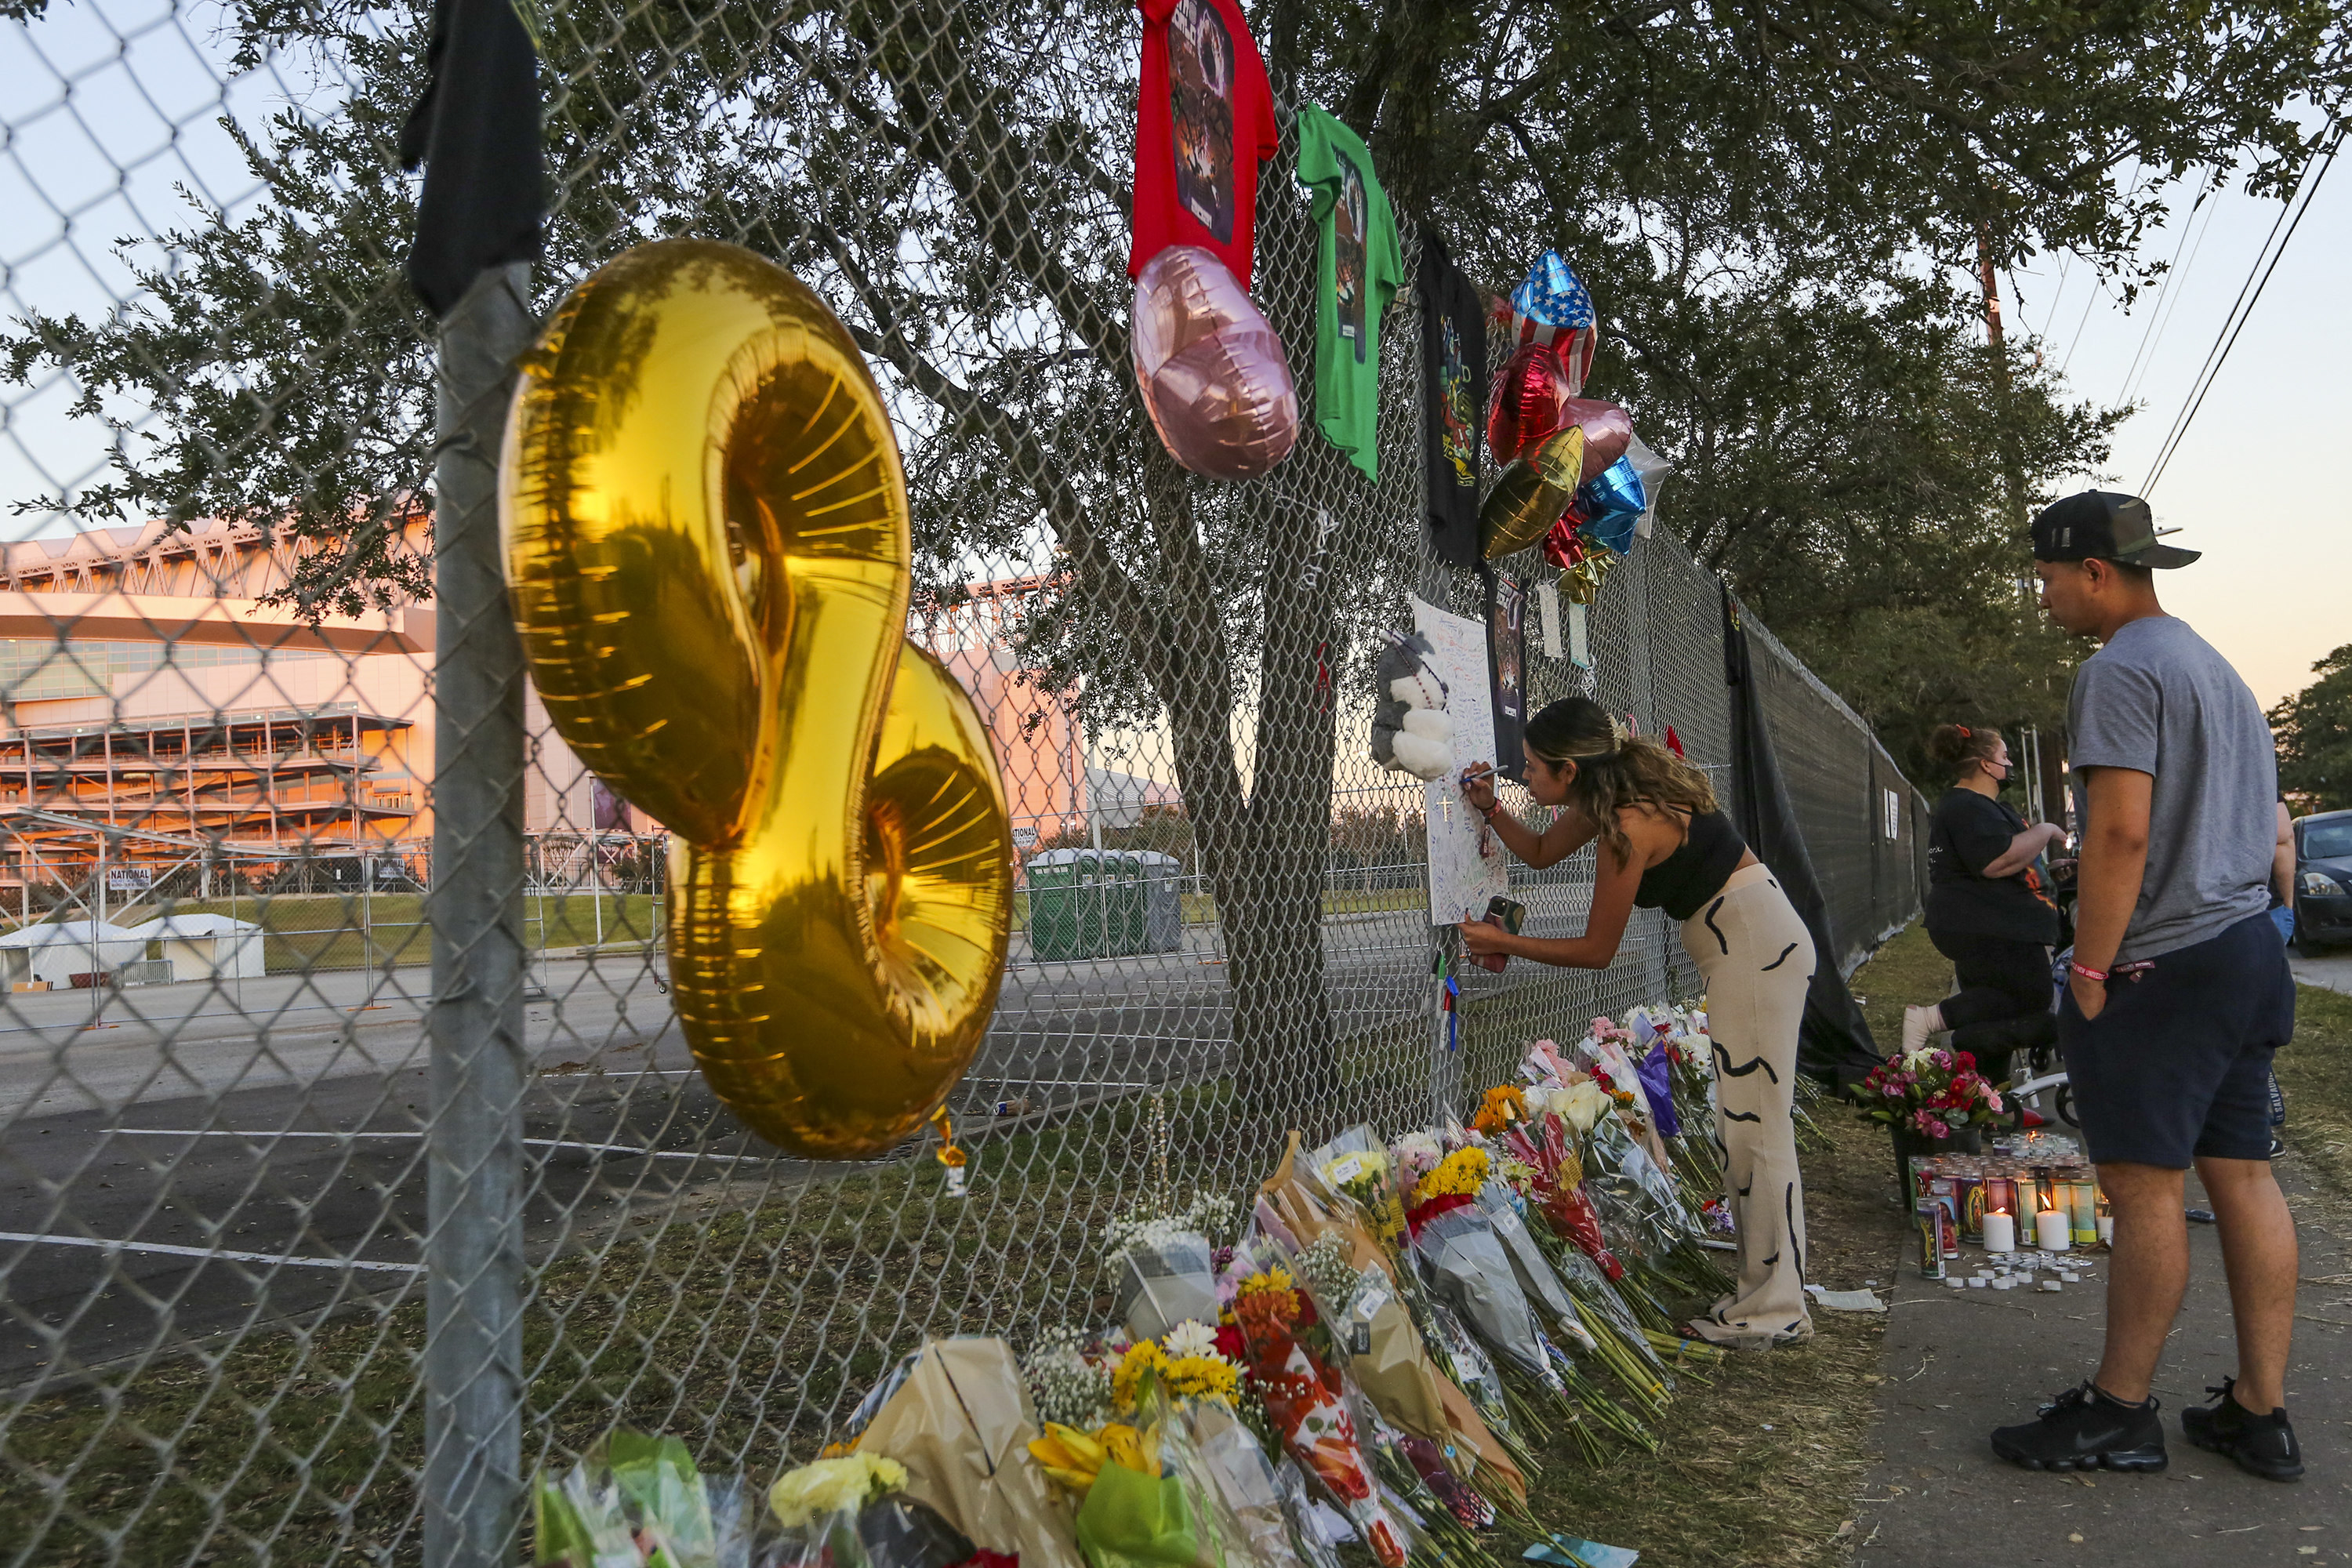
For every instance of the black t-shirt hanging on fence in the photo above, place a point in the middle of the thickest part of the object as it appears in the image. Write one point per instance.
(1968, 833)
(1453, 376)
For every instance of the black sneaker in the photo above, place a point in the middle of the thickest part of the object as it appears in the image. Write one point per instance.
(2083, 1429)
(2261, 1445)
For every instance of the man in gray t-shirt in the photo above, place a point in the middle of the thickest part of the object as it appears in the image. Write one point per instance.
(2176, 998)
(2158, 694)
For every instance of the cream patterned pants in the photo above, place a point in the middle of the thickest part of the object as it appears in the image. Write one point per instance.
(1757, 961)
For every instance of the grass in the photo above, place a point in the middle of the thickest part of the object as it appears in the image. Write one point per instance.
(346, 930)
(2314, 1073)
(746, 1317)
(1201, 909)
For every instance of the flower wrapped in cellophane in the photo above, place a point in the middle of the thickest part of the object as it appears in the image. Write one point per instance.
(1164, 1275)
(636, 1499)
(1356, 1165)
(1465, 1259)
(850, 1512)
(1380, 1313)
(1298, 1374)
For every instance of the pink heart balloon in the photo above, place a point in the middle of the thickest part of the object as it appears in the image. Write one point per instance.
(1213, 376)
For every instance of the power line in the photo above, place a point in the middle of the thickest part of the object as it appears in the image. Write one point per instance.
(2200, 219)
(2219, 356)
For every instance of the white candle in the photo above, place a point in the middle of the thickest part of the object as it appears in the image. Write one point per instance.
(1999, 1231)
(2053, 1231)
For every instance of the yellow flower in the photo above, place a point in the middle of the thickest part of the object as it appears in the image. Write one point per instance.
(1459, 1175)
(1204, 1377)
(1504, 1104)
(1272, 1293)
(833, 1486)
(1142, 1358)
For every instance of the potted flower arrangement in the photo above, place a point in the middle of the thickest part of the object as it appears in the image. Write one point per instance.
(1935, 1102)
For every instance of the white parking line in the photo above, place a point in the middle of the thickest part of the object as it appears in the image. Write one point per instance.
(208, 1252)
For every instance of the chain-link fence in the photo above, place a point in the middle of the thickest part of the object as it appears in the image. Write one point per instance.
(334, 1205)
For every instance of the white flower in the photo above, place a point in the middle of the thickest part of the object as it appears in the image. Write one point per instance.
(1581, 1103)
(1191, 1337)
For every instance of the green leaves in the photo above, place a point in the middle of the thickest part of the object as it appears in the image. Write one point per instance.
(2313, 728)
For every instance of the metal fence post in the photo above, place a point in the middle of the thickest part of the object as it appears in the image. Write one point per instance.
(473, 1355)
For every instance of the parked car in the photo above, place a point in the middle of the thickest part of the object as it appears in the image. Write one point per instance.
(2323, 881)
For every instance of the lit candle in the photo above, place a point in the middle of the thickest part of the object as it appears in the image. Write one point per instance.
(2053, 1231)
(2000, 1231)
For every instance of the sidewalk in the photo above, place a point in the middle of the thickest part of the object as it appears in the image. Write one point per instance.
(1959, 1362)
(2333, 970)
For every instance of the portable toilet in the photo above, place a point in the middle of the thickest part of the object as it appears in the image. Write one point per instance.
(58, 951)
(208, 947)
(1104, 903)
(1163, 902)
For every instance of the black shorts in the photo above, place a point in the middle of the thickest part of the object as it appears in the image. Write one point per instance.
(2178, 1064)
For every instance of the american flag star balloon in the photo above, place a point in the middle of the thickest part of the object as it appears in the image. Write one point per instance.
(1552, 307)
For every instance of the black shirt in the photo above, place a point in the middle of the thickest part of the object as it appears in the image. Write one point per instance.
(1711, 852)
(1968, 833)
(1453, 378)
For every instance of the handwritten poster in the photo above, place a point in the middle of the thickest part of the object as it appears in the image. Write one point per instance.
(1467, 864)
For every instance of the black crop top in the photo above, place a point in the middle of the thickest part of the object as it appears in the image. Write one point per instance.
(1695, 873)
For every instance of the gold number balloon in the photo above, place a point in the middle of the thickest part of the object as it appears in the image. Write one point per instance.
(706, 541)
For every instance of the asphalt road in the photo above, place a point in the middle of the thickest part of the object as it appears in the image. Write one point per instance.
(282, 1119)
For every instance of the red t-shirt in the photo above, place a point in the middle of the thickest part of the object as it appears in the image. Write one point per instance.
(1204, 117)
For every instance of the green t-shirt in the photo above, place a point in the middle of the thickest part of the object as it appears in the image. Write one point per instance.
(1359, 271)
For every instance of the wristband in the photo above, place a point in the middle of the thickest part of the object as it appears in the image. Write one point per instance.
(2098, 974)
(1489, 813)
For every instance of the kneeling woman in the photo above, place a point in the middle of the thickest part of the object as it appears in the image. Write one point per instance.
(1665, 844)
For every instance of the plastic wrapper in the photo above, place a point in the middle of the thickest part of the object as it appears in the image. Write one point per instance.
(1298, 1508)
(637, 1500)
(1428, 1461)
(1472, 1272)
(889, 1532)
(1534, 1271)
(1298, 1372)
(1165, 1282)
(1246, 1486)
(961, 1424)
(1356, 1165)
(1130, 1519)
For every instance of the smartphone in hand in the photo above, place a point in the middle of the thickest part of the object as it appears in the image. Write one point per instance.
(1509, 913)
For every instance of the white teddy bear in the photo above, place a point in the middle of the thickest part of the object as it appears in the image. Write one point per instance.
(1412, 733)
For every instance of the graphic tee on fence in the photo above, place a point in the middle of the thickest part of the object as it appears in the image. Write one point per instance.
(1453, 378)
(1203, 120)
(1360, 270)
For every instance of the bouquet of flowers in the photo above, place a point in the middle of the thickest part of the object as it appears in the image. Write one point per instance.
(1931, 1092)
(636, 1499)
(1298, 1372)
(1368, 1298)
(1357, 1167)
(1558, 1189)
(1165, 1273)
(849, 1513)
(1070, 1386)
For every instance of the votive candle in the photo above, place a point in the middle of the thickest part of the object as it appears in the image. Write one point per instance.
(2052, 1231)
(1999, 1231)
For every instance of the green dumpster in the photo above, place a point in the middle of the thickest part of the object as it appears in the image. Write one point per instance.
(1102, 903)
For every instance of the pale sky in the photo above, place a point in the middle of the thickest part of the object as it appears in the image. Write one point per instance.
(2256, 485)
